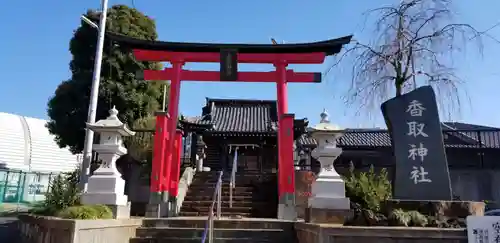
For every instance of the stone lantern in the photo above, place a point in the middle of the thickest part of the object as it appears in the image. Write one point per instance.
(106, 185)
(327, 203)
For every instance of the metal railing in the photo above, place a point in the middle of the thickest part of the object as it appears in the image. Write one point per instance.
(216, 198)
(232, 180)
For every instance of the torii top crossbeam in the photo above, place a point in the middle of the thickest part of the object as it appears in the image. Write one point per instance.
(229, 55)
(328, 47)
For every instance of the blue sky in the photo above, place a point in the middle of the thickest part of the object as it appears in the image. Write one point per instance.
(34, 50)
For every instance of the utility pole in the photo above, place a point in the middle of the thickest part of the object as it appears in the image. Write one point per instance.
(94, 94)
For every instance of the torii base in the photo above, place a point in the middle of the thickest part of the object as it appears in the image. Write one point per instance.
(286, 207)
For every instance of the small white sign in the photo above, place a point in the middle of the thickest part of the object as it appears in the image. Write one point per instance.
(483, 229)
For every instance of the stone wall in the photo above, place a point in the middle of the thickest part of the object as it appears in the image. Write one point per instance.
(53, 230)
(313, 233)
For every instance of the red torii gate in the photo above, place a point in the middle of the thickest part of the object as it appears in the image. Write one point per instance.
(166, 159)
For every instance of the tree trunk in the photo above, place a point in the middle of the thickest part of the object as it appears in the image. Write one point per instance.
(398, 90)
(399, 87)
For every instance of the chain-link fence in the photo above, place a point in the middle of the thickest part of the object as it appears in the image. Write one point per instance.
(22, 189)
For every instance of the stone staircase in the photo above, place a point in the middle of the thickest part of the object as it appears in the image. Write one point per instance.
(255, 195)
(189, 229)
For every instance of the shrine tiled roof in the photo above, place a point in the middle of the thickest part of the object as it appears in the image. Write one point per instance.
(195, 123)
(365, 138)
(488, 137)
(260, 117)
(241, 116)
(355, 137)
(196, 120)
(455, 135)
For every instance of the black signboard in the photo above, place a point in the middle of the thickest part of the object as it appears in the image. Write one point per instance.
(228, 65)
(417, 141)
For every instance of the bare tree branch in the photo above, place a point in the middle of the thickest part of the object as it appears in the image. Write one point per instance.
(415, 44)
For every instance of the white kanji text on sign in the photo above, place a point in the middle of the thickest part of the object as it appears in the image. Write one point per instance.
(415, 108)
(419, 175)
(419, 151)
(416, 129)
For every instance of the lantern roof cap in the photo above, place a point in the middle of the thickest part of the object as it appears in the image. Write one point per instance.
(324, 125)
(111, 124)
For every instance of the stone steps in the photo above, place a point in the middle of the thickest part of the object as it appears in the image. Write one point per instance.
(240, 182)
(185, 229)
(240, 176)
(224, 188)
(204, 209)
(248, 199)
(224, 203)
(227, 212)
(196, 240)
(223, 213)
(171, 232)
(224, 198)
(224, 183)
(210, 191)
(224, 223)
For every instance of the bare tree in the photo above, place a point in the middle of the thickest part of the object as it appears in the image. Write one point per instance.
(414, 44)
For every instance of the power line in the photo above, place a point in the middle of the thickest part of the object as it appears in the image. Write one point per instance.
(492, 27)
(486, 33)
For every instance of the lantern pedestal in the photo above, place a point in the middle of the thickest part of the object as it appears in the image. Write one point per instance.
(328, 191)
(106, 185)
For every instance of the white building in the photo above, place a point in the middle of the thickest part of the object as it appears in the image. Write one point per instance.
(29, 157)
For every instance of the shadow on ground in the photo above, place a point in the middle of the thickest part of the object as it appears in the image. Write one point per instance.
(8, 230)
(8, 223)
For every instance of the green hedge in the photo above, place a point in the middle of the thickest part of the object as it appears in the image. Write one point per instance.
(368, 192)
(63, 193)
(86, 212)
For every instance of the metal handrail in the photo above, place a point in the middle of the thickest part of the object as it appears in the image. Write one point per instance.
(209, 226)
(232, 180)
